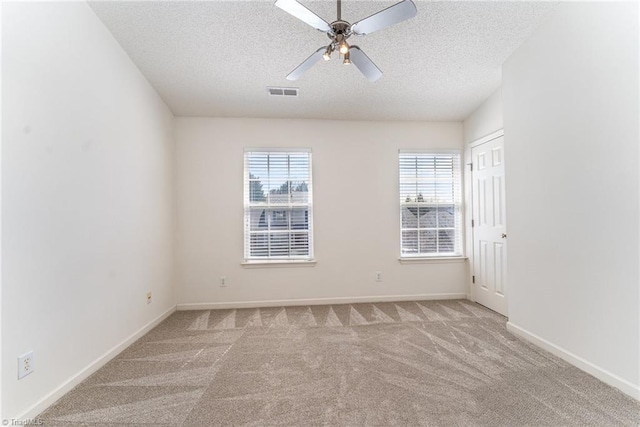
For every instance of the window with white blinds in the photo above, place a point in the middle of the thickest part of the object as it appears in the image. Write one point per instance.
(278, 219)
(430, 203)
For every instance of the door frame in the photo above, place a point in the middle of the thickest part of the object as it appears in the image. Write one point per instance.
(468, 202)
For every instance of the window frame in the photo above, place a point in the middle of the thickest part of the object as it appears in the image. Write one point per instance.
(458, 205)
(271, 209)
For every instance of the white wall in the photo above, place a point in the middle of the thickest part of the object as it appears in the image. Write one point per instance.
(356, 212)
(1, 118)
(571, 121)
(485, 119)
(87, 158)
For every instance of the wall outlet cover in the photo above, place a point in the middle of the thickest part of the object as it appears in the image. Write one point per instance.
(26, 365)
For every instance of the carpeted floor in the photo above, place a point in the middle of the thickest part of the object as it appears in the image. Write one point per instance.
(436, 363)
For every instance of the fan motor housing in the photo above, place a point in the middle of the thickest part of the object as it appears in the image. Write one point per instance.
(339, 28)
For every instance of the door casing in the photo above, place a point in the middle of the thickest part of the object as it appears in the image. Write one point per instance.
(469, 210)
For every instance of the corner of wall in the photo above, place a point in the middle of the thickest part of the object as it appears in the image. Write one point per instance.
(485, 119)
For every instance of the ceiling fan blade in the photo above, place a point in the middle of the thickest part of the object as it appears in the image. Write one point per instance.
(364, 64)
(302, 13)
(399, 12)
(308, 63)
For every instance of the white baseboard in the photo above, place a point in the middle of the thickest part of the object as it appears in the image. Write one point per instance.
(65, 387)
(577, 361)
(317, 301)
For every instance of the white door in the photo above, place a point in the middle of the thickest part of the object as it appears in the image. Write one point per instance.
(489, 230)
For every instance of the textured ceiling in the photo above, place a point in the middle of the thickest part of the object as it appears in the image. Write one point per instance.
(216, 58)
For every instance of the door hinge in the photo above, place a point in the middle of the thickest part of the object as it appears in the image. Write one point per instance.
(472, 223)
(470, 166)
(473, 279)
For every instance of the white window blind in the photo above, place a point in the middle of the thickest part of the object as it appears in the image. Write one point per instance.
(278, 215)
(430, 202)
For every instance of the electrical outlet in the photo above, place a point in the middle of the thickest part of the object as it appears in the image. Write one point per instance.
(148, 297)
(223, 281)
(25, 365)
(378, 276)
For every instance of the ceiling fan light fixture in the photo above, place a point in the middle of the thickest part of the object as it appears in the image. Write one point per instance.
(347, 60)
(344, 47)
(327, 54)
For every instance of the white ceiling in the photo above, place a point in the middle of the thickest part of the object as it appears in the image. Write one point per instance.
(216, 58)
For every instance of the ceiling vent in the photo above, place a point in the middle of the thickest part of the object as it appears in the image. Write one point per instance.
(290, 92)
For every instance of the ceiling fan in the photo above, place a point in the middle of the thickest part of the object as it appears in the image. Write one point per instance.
(339, 31)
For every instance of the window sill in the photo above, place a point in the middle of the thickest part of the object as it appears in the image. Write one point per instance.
(432, 260)
(278, 263)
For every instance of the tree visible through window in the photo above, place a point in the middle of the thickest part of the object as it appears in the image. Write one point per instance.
(277, 205)
(430, 202)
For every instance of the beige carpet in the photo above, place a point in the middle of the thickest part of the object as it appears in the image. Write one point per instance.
(439, 363)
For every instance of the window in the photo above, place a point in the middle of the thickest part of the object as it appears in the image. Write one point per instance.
(430, 200)
(278, 217)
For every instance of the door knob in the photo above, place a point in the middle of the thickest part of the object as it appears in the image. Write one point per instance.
(504, 235)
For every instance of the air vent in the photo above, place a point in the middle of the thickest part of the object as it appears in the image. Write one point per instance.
(283, 91)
